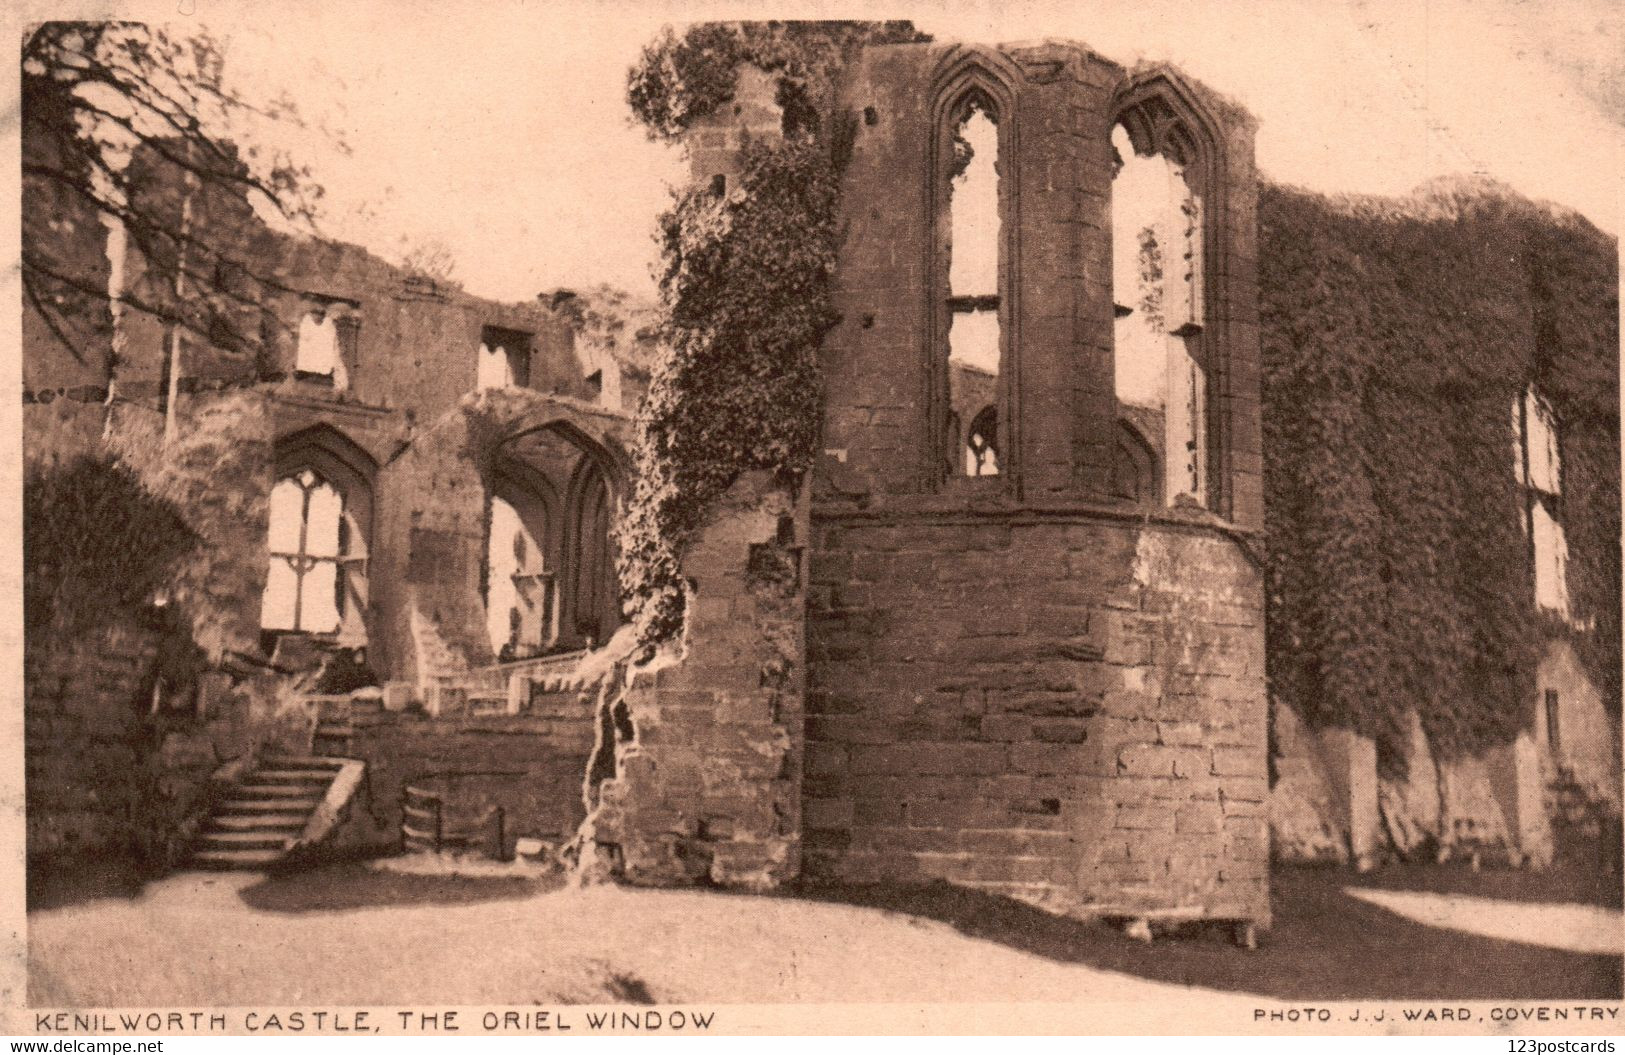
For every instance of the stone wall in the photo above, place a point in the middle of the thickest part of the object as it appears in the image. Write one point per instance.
(1087, 736)
(1317, 778)
(697, 772)
(86, 744)
(1020, 683)
(1329, 802)
(531, 764)
(1587, 740)
(105, 777)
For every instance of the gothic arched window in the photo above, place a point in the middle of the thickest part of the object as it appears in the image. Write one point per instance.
(982, 444)
(1157, 283)
(972, 347)
(319, 516)
(1171, 218)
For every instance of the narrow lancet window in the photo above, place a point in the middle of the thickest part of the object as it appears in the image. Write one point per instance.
(1161, 378)
(974, 330)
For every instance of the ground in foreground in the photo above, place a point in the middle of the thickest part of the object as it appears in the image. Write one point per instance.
(350, 934)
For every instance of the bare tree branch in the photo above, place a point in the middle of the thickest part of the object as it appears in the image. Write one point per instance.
(115, 116)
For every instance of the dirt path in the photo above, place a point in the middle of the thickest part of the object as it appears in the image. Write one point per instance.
(191, 940)
(353, 935)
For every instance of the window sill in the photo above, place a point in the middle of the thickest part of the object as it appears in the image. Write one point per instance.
(965, 501)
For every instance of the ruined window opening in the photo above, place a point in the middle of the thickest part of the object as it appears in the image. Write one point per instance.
(973, 303)
(314, 584)
(520, 591)
(1161, 376)
(324, 332)
(503, 360)
(320, 517)
(1539, 470)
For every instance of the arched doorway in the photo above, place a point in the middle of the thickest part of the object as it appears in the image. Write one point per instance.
(551, 581)
(596, 608)
(519, 583)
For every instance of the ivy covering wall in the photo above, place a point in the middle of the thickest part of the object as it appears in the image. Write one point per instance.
(1397, 335)
(97, 545)
(745, 287)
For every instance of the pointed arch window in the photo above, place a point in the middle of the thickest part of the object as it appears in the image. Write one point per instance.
(596, 593)
(314, 545)
(1183, 350)
(1160, 357)
(319, 519)
(972, 346)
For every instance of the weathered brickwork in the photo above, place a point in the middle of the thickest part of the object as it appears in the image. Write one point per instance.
(105, 776)
(697, 775)
(86, 745)
(1015, 682)
(1087, 735)
(530, 764)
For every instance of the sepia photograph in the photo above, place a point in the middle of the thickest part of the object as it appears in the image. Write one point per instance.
(698, 519)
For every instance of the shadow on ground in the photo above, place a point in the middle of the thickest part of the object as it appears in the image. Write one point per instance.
(1323, 944)
(1554, 885)
(59, 883)
(352, 885)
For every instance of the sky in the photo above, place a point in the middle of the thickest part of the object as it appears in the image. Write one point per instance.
(500, 131)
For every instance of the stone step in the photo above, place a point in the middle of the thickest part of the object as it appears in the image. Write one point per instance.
(271, 804)
(292, 776)
(299, 789)
(250, 840)
(259, 821)
(266, 814)
(228, 859)
(301, 762)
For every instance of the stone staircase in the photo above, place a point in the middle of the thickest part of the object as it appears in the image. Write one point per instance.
(279, 806)
(335, 722)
